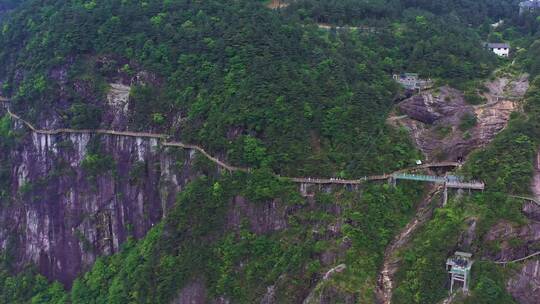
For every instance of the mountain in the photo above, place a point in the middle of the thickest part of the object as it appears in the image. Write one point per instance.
(239, 151)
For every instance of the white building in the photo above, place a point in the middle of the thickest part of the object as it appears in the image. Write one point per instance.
(501, 49)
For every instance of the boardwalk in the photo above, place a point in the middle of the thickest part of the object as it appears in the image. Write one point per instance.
(450, 181)
(164, 138)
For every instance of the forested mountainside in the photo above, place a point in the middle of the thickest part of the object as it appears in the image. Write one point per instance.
(149, 150)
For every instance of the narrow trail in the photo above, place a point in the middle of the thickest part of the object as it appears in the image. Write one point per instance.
(519, 260)
(167, 143)
(385, 281)
(526, 198)
(162, 137)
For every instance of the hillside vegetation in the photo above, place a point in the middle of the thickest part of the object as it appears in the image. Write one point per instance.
(271, 90)
(260, 87)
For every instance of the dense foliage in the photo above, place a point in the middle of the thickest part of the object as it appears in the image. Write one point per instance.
(29, 287)
(5, 138)
(437, 45)
(249, 82)
(273, 91)
(362, 12)
(193, 244)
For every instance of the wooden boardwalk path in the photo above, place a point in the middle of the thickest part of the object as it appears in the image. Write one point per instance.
(164, 138)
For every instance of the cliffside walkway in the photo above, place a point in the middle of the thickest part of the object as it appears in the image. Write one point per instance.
(397, 175)
(519, 260)
(450, 181)
(526, 198)
(159, 136)
(301, 180)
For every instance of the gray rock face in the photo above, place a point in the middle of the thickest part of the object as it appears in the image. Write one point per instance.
(422, 108)
(516, 242)
(193, 293)
(263, 217)
(435, 117)
(61, 218)
(433, 120)
(469, 235)
(525, 286)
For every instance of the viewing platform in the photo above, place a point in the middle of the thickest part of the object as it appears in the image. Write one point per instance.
(459, 267)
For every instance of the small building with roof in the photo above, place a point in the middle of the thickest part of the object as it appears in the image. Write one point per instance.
(459, 267)
(500, 49)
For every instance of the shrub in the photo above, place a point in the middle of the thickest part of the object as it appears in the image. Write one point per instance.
(468, 121)
(473, 98)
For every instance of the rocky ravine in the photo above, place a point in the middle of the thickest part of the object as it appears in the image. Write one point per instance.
(434, 118)
(385, 281)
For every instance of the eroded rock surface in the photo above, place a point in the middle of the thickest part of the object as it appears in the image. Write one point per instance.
(514, 242)
(263, 218)
(275, 4)
(118, 103)
(525, 286)
(429, 107)
(517, 242)
(436, 118)
(61, 217)
(193, 293)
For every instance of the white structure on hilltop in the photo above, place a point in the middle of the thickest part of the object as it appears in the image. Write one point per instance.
(529, 6)
(500, 49)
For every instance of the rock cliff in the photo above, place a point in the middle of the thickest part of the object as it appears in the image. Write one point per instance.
(445, 127)
(511, 242)
(62, 217)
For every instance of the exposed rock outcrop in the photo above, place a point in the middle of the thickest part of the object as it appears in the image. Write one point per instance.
(193, 293)
(61, 217)
(437, 119)
(118, 104)
(513, 242)
(263, 217)
(428, 108)
(516, 242)
(525, 286)
(275, 4)
(468, 237)
(535, 187)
